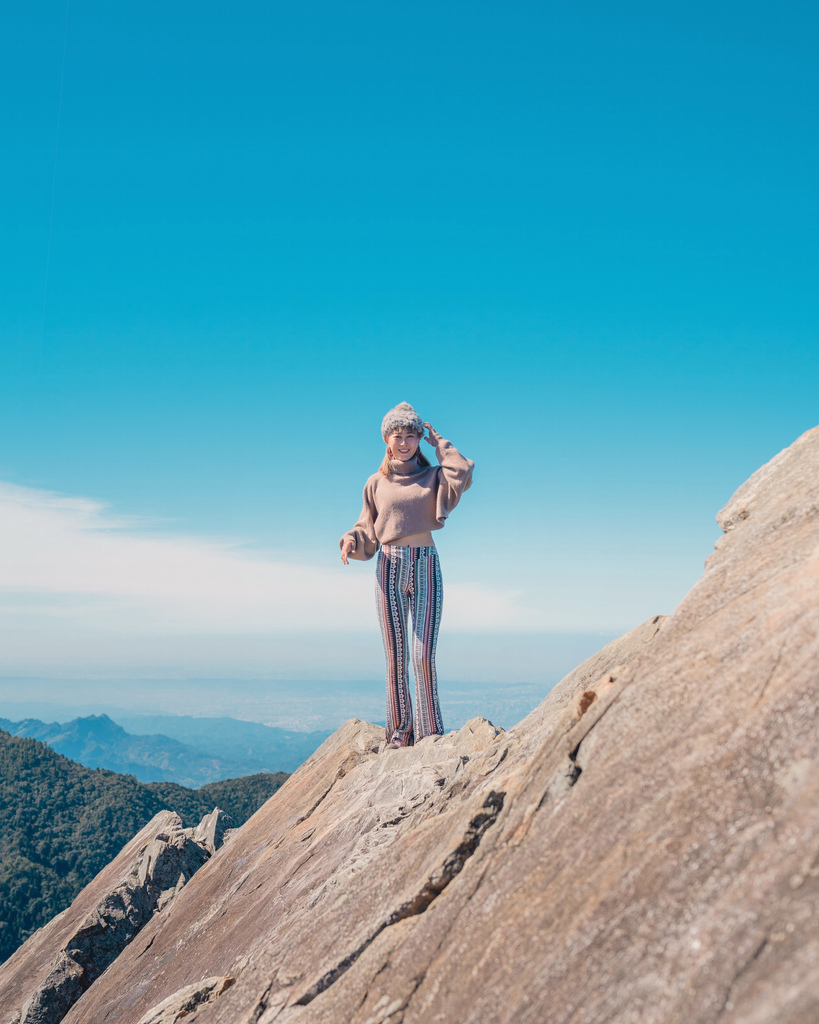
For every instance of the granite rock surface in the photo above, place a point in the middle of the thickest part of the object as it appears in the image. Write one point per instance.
(642, 848)
(181, 1004)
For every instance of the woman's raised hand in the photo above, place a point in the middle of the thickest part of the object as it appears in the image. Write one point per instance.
(430, 432)
(346, 548)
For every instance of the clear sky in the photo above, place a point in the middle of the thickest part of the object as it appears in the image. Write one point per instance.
(581, 238)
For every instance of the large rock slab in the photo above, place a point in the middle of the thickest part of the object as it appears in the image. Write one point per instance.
(321, 854)
(643, 848)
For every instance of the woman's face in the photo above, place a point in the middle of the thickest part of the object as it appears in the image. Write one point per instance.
(403, 443)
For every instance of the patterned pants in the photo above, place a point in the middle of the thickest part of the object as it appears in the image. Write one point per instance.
(408, 580)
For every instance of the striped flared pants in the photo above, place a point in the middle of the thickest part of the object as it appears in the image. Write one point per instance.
(408, 582)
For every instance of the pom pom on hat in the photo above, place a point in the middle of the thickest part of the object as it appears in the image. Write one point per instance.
(403, 415)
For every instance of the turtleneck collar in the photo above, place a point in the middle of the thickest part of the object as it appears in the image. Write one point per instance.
(399, 468)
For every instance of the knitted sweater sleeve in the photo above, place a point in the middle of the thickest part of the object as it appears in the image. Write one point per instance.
(363, 533)
(454, 475)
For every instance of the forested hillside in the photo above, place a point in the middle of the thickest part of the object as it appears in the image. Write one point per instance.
(60, 823)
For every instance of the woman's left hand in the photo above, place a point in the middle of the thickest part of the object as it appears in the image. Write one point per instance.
(430, 432)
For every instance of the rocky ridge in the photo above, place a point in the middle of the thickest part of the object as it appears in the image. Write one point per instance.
(643, 847)
(88, 937)
(62, 823)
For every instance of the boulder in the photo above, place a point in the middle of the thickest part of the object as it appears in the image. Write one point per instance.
(212, 830)
(181, 1004)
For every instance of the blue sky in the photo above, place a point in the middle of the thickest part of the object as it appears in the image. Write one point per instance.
(579, 238)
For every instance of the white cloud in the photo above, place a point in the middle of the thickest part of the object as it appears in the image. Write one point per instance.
(70, 562)
(80, 559)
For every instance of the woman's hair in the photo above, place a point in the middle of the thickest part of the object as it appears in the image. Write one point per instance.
(419, 455)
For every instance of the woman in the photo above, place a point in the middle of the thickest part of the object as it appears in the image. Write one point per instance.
(404, 502)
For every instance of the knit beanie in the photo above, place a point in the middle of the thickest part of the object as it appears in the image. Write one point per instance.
(403, 415)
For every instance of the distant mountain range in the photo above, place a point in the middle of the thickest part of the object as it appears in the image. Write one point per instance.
(272, 748)
(189, 751)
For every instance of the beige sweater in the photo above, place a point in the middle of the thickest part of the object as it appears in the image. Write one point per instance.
(412, 499)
